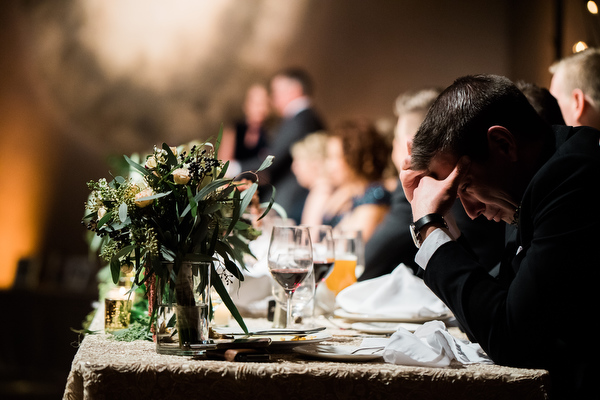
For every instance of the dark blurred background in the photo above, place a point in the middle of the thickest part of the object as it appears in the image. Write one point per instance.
(84, 81)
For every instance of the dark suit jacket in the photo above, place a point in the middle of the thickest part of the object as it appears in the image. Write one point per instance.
(545, 314)
(392, 244)
(289, 194)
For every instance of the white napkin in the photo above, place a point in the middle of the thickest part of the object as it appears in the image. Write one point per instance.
(430, 346)
(398, 294)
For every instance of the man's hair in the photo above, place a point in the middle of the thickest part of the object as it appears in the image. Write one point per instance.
(298, 75)
(458, 121)
(415, 101)
(542, 100)
(582, 71)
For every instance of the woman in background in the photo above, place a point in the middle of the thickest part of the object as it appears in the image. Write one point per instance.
(309, 167)
(357, 156)
(247, 138)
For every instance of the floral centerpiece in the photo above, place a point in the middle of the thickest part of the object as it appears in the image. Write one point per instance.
(176, 208)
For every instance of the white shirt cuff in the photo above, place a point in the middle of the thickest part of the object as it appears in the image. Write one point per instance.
(433, 242)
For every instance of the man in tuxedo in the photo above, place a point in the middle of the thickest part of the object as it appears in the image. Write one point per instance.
(291, 91)
(483, 142)
(392, 243)
(576, 86)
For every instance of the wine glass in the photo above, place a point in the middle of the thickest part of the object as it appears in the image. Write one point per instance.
(321, 237)
(290, 260)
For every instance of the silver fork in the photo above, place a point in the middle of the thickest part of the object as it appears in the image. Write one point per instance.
(374, 349)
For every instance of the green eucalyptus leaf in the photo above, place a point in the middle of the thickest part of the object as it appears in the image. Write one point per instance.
(266, 163)
(218, 141)
(217, 283)
(140, 168)
(155, 196)
(115, 269)
(123, 212)
(235, 213)
(125, 251)
(247, 197)
(212, 208)
(223, 170)
(171, 158)
(192, 202)
(206, 190)
(104, 220)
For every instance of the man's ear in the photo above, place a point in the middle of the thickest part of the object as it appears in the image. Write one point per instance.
(502, 142)
(579, 104)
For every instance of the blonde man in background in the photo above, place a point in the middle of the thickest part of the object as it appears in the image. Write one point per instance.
(576, 86)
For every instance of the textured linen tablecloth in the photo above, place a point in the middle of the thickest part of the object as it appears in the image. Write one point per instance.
(107, 369)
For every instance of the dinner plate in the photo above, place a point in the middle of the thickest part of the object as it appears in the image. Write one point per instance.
(389, 318)
(384, 327)
(337, 353)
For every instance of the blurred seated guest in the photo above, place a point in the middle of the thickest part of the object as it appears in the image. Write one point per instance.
(357, 156)
(308, 165)
(247, 138)
(576, 86)
(392, 242)
(291, 97)
(543, 102)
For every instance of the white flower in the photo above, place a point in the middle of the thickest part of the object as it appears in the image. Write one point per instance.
(151, 162)
(101, 212)
(139, 198)
(181, 176)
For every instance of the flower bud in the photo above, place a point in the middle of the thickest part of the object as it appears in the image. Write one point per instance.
(127, 268)
(181, 176)
(151, 162)
(101, 212)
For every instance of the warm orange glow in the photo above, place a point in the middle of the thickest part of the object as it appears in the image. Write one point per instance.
(26, 170)
(579, 46)
(592, 7)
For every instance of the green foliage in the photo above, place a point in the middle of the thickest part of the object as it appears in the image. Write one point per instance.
(177, 206)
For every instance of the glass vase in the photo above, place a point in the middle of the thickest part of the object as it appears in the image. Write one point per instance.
(181, 325)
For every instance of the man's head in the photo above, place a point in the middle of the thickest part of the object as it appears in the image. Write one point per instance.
(576, 86)
(488, 120)
(288, 85)
(410, 107)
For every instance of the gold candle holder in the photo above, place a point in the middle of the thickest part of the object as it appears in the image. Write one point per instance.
(117, 309)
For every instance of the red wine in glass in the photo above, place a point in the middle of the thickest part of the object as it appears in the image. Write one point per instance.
(322, 269)
(289, 278)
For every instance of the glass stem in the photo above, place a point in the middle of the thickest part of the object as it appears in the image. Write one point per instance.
(288, 321)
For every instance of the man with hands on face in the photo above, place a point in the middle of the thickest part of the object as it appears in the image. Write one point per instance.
(482, 142)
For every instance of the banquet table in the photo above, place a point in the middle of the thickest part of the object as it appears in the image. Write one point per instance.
(104, 368)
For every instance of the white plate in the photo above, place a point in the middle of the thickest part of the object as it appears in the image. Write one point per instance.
(389, 318)
(384, 327)
(338, 353)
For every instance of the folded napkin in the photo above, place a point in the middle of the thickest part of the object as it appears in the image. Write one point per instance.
(398, 294)
(430, 346)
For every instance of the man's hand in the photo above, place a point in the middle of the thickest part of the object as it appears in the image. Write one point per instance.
(429, 195)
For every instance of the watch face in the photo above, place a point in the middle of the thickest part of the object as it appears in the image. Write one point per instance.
(416, 236)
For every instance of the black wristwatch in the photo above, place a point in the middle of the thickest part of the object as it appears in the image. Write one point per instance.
(415, 227)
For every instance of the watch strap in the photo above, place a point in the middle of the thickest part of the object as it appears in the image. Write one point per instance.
(433, 218)
(415, 227)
